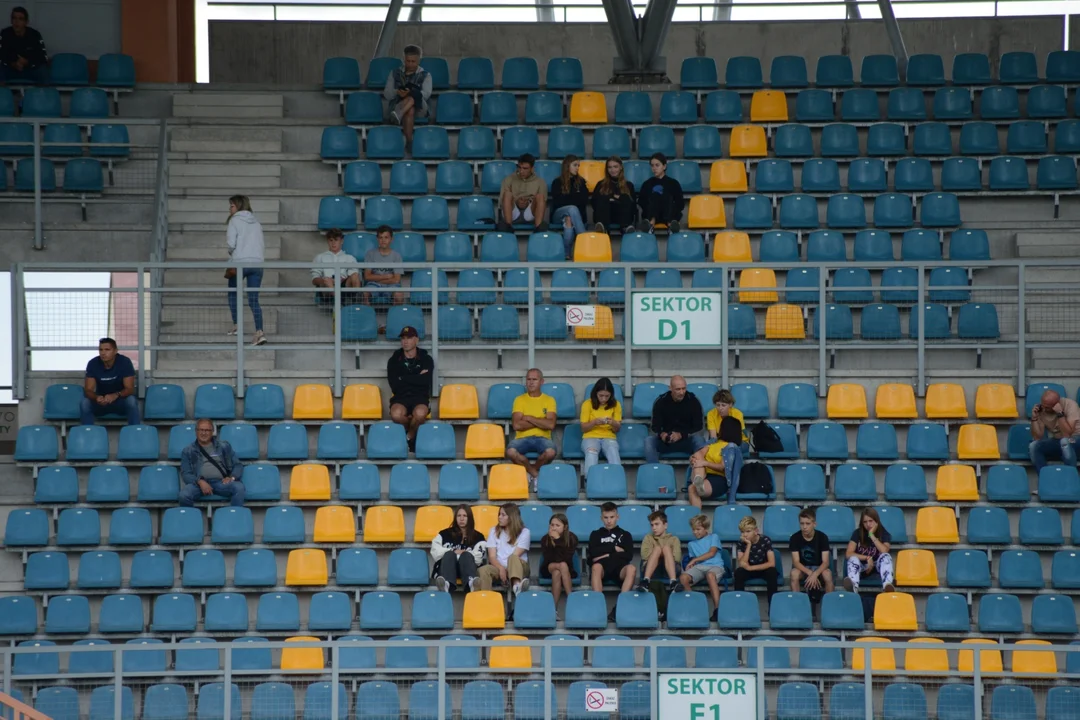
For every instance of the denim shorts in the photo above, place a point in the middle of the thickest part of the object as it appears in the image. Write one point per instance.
(532, 444)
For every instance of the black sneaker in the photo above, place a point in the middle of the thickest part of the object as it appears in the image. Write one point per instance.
(674, 586)
(599, 228)
(643, 586)
(661, 616)
(611, 616)
(716, 615)
(412, 444)
(628, 229)
(504, 226)
(673, 227)
(645, 226)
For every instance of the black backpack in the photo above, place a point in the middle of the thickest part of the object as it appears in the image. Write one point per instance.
(755, 478)
(763, 438)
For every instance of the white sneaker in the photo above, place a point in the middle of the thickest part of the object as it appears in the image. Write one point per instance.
(395, 118)
(259, 338)
(699, 484)
(517, 589)
(523, 585)
(232, 332)
(441, 584)
(474, 584)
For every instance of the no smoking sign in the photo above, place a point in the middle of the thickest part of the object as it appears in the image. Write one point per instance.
(581, 315)
(602, 700)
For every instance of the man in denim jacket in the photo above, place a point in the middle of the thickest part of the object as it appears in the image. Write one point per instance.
(208, 467)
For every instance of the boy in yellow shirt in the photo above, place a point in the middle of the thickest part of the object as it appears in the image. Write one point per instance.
(533, 419)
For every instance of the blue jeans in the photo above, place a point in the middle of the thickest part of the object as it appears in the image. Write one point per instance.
(1042, 450)
(127, 406)
(653, 447)
(252, 279)
(577, 225)
(33, 76)
(235, 491)
(592, 448)
(532, 444)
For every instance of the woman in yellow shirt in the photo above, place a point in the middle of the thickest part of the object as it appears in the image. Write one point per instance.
(724, 403)
(601, 418)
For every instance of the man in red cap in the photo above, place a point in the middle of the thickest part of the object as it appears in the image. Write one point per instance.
(409, 371)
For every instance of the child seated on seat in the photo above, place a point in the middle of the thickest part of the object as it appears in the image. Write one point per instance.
(659, 546)
(558, 548)
(706, 562)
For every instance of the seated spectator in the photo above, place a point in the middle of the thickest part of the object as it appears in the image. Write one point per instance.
(407, 91)
(660, 198)
(659, 546)
(523, 197)
(22, 51)
(756, 559)
(706, 562)
(244, 239)
(715, 469)
(380, 271)
(208, 467)
(613, 200)
(508, 552)
(569, 196)
(601, 418)
(533, 419)
(109, 386)
(558, 548)
(409, 372)
(1059, 418)
(810, 558)
(723, 406)
(338, 268)
(867, 551)
(676, 420)
(611, 550)
(457, 552)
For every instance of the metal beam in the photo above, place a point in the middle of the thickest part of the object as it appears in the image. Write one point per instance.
(654, 28)
(545, 13)
(416, 10)
(389, 27)
(722, 13)
(623, 26)
(853, 11)
(892, 28)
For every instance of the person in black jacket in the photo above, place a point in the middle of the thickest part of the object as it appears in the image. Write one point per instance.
(457, 552)
(611, 550)
(409, 371)
(22, 51)
(613, 199)
(660, 198)
(569, 196)
(676, 419)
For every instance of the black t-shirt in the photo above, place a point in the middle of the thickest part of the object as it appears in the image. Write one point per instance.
(867, 547)
(810, 551)
(759, 551)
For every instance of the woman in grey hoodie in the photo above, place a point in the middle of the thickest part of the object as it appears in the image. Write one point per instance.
(246, 246)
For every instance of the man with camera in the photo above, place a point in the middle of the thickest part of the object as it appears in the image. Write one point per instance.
(407, 91)
(1055, 430)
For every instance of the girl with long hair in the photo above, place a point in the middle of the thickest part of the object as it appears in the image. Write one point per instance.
(508, 552)
(601, 418)
(244, 239)
(613, 199)
(867, 551)
(457, 552)
(558, 548)
(569, 198)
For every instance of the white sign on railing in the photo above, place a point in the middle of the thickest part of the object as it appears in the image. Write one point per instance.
(706, 696)
(676, 319)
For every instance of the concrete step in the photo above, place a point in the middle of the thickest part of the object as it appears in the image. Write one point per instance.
(1042, 275)
(208, 210)
(1055, 359)
(228, 105)
(208, 240)
(257, 360)
(182, 319)
(196, 175)
(1047, 244)
(215, 253)
(212, 277)
(226, 140)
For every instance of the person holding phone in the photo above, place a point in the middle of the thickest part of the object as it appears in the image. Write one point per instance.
(407, 91)
(867, 551)
(601, 418)
(1055, 430)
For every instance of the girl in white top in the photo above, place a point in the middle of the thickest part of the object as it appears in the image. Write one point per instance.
(247, 247)
(508, 548)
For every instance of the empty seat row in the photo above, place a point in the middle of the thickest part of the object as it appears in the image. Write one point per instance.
(81, 175)
(473, 73)
(974, 321)
(107, 142)
(86, 103)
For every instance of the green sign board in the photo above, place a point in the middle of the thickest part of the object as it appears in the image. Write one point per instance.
(707, 696)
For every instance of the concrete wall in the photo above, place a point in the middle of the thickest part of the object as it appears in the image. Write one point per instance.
(293, 52)
(90, 27)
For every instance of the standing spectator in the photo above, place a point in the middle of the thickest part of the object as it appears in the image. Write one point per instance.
(810, 557)
(381, 271)
(208, 467)
(109, 386)
(613, 199)
(611, 550)
(1059, 418)
(715, 469)
(409, 371)
(523, 196)
(601, 418)
(676, 420)
(723, 406)
(868, 550)
(457, 552)
(558, 548)
(244, 238)
(338, 268)
(660, 546)
(660, 198)
(569, 198)
(508, 552)
(706, 562)
(407, 91)
(756, 559)
(533, 419)
(22, 51)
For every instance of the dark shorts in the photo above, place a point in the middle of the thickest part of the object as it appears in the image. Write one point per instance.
(324, 297)
(410, 403)
(611, 568)
(718, 483)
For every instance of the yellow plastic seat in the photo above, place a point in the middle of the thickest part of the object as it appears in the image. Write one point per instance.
(895, 401)
(977, 442)
(846, 401)
(957, 483)
(731, 246)
(936, 525)
(430, 521)
(484, 517)
(916, 568)
(458, 402)
(895, 611)
(881, 658)
(312, 402)
(336, 524)
(484, 610)
(748, 141)
(995, 401)
(302, 658)
(931, 660)
(384, 523)
(603, 329)
(728, 176)
(989, 660)
(309, 482)
(768, 106)
(761, 279)
(1035, 662)
(706, 212)
(306, 566)
(592, 247)
(362, 402)
(507, 657)
(592, 172)
(507, 481)
(484, 440)
(589, 108)
(784, 322)
(945, 401)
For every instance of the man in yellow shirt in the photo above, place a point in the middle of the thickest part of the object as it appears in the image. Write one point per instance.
(533, 420)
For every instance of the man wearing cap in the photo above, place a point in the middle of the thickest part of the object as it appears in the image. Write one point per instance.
(409, 372)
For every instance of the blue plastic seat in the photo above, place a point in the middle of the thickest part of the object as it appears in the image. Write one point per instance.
(873, 246)
(798, 212)
(793, 140)
(567, 140)
(41, 102)
(838, 323)
(60, 484)
(408, 177)
(379, 71)
(904, 701)
(338, 441)
(948, 277)
(19, 617)
(1016, 444)
(384, 142)
(38, 663)
(906, 104)
(988, 526)
(961, 174)
(677, 108)
(937, 322)
(1008, 173)
(839, 140)
(932, 139)
(947, 612)
(17, 139)
(788, 71)
(1062, 66)
(174, 612)
(1046, 102)
(361, 177)
(116, 70)
(49, 570)
(688, 172)
(153, 568)
(1053, 614)
(886, 140)
(379, 210)
(1040, 526)
(920, 245)
(806, 482)
(977, 321)
(1059, 484)
(277, 611)
(153, 660)
(635, 108)
(893, 210)
(498, 108)
(697, 73)
(852, 278)
(743, 73)
(952, 103)
(452, 177)
(905, 483)
(453, 108)
(796, 401)
(845, 211)
(1056, 173)
(24, 175)
(721, 106)
(790, 611)
(979, 138)
(1000, 613)
(770, 176)
(58, 703)
(968, 569)
(287, 441)
(820, 175)
(610, 140)
(1067, 136)
(798, 701)
(1065, 570)
(332, 610)
(365, 108)
(62, 133)
(534, 610)
(969, 245)
(927, 441)
(814, 106)
(825, 246)
(483, 700)
(879, 71)
(855, 481)
(281, 524)
(86, 443)
(882, 322)
(258, 568)
(138, 442)
(610, 656)
(834, 71)
(688, 610)
(739, 611)
(550, 323)
(228, 612)
(76, 526)
(635, 611)
(999, 103)
(520, 73)
(971, 69)
(780, 522)
(655, 482)
(836, 521)
(204, 568)
(273, 700)
(654, 139)
(741, 323)
(867, 175)
(564, 73)
(382, 611)
(1026, 137)
(778, 246)
(859, 105)
(1019, 569)
(157, 483)
(477, 212)
(475, 73)
(62, 402)
(130, 526)
(606, 482)
(339, 143)
(216, 402)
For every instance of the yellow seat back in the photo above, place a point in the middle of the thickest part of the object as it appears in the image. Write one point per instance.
(507, 481)
(995, 401)
(459, 402)
(731, 246)
(603, 329)
(932, 659)
(989, 660)
(484, 610)
(484, 441)
(768, 106)
(977, 442)
(784, 322)
(945, 401)
(592, 247)
(306, 566)
(1035, 662)
(706, 212)
(846, 401)
(748, 141)
(302, 658)
(916, 568)
(362, 402)
(727, 176)
(895, 401)
(384, 524)
(881, 658)
(589, 108)
(335, 524)
(592, 172)
(895, 611)
(936, 525)
(509, 656)
(309, 482)
(760, 280)
(956, 483)
(313, 402)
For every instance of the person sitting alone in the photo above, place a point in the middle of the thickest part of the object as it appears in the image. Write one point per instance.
(109, 386)
(208, 467)
(407, 91)
(523, 197)
(23, 58)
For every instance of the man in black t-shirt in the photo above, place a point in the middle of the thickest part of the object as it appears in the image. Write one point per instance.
(409, 372)
(109, 386)
(22, 51)
(810, 557)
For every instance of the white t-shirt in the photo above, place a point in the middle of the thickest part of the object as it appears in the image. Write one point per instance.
(500, 540)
